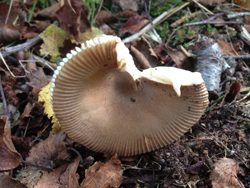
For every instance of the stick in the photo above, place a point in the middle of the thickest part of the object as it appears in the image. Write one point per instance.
(25, 46)
(156, 22)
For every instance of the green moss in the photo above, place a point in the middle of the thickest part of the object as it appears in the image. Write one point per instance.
(158, 7)
(163, 30)
(210, 28)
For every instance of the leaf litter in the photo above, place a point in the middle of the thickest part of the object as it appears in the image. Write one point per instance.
(41, 158)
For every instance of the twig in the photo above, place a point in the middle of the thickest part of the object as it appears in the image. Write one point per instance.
(147, 12)
(202, 7)
(25, 46)
(195, 166)
(100, 6)
(37, 166)
(6, 111)
(157, 21)
(236, 56)
(11, 71)
(44, 63)
(184, 18)
(8, 14)
(210, 22)
(238, 14)
(79, 155)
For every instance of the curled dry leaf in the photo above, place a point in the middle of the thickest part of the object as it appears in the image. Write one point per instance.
(9, 157)
(231, 93)
(161, 52)
(145, 48)
(225, 174)
(140, 58)
(104, 175)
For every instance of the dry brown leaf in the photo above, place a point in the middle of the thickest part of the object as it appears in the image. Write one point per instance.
(145, 48)
(161, 52)
(8, 34)
(104, 175)
(31, 29)
(37, 81)
(134, 24)
(140, 58)
(70, 178)
(224, 174)
(226, 48)
(8, 182)
(32, 116)
(51, 179)
(128, 5)
(63, 177)
(181, 60)
(231, 93)
(26, 113)
(102, 16)
(50, 152)
(74, 20)
(8, 82)
(9, 157)
(48, 13)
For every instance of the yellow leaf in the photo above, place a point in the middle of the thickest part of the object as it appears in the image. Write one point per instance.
(89, 34)
(53, 38)
(44, 96)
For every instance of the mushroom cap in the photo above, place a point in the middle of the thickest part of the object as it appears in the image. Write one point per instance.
(103, 102)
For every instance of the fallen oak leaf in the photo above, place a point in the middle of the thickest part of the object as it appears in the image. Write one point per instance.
(104, 175)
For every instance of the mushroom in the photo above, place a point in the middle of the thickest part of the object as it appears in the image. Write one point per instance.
(104, 102)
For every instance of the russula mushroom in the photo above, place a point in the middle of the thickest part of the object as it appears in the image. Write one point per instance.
(104, 102)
